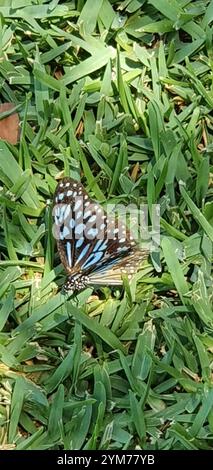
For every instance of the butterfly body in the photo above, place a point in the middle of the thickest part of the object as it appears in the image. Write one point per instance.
(76, 282)
(94, 247)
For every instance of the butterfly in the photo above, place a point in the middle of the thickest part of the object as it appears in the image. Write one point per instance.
(95, 249)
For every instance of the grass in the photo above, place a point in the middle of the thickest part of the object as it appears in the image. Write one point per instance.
(120, 96)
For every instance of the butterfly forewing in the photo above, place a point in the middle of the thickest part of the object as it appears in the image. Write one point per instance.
(93, 247)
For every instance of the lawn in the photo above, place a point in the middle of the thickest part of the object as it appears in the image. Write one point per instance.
(119, 96)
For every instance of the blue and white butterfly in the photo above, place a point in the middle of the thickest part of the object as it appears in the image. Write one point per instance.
(94, 248)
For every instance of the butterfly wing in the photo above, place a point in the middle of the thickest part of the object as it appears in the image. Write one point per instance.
(113, 275)
(91, 243)
(63, 203)
(72, 212)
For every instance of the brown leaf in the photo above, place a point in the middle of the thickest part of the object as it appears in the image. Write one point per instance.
(9, 126)
(80, 129)
(58, 74)
(135, 172)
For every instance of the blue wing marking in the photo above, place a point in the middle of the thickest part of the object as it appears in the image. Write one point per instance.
(69, 253)
(83, 252)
